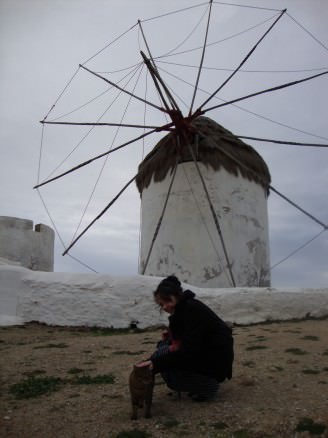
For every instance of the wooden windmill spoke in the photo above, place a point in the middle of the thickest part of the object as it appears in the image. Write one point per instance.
(100, 214)
(243, 61)
(154, 73)
(202, 58)
(123, 90)
(216, 221)
(159, 223)
(161, 128)
(120, 125)
(267, 90)
(325, 226)
(292, 143)
(104, 210)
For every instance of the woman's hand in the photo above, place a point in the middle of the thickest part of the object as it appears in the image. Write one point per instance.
(165, 335)
(146, 363)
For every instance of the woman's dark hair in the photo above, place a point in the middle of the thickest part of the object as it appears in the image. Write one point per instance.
(168, 287)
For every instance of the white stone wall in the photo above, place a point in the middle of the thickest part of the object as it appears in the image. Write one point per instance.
(188, 242)
(102, 300)
(31, 248)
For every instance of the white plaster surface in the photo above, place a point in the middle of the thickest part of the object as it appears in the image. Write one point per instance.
(105, 301)
(188, 242)
(23, 244)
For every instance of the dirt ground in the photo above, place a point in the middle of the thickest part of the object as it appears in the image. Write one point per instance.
(279, 387)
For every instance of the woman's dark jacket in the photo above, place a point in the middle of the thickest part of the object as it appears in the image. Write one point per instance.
(206, 341)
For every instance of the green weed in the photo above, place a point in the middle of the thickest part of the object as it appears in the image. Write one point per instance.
(110, 331)
(129, 353)
(308, 371)
(297, 351)
(248, 363)
(219, 425)
(75, 371)
(135, 433)
(170, 423)
(34, 373)
(35, 386)
(308, 425)
(256, 347)
(310, 338)
(242, 433)
(96, 380)
(60, 345)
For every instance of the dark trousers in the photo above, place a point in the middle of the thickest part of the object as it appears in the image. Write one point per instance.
(184, 380)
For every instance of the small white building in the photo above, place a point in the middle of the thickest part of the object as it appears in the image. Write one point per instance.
(187, 242)
(26, 246)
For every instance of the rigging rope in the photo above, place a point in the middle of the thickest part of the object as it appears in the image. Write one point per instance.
(59, 236)
(247, 110)
(242, 70)
(292, 143)
(245, 6)
(216, 221)
(307, 31)
(132, 72)
(159, 223)
(218, 41)
(92, 128)
(206, 227)
(297, 249)
(244, 60)
(105, 161)
(267, 90)
(202, 58)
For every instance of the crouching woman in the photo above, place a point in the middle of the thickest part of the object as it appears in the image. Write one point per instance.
(197, 352)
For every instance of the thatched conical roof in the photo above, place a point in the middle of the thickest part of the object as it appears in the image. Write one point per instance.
(216, 147)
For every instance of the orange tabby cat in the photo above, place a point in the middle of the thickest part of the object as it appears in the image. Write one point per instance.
(141, 384)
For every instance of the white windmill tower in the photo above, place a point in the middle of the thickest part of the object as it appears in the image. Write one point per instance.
(204, 209)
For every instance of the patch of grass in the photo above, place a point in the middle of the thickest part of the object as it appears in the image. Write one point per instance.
(110, 331)
(310, 338)
(309, 371)
(59, 345)
(134, 433)
(35, 386)
(242, 433)
(96, 380)
(325, 353)
(219, 425)
(308, 425)
(34, 373)
(256, 347)
(325, 369)
(170, 423)
(277, 368)
(75, 371)
(248, 363)
(297, 351)
(292, 331)
(129, 353)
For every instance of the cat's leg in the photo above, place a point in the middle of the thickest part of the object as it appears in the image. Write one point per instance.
(134, 413)
(148, 402)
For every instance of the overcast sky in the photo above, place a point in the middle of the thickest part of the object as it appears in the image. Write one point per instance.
(42, 43)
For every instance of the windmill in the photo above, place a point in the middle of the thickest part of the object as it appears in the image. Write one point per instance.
(184, 117)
